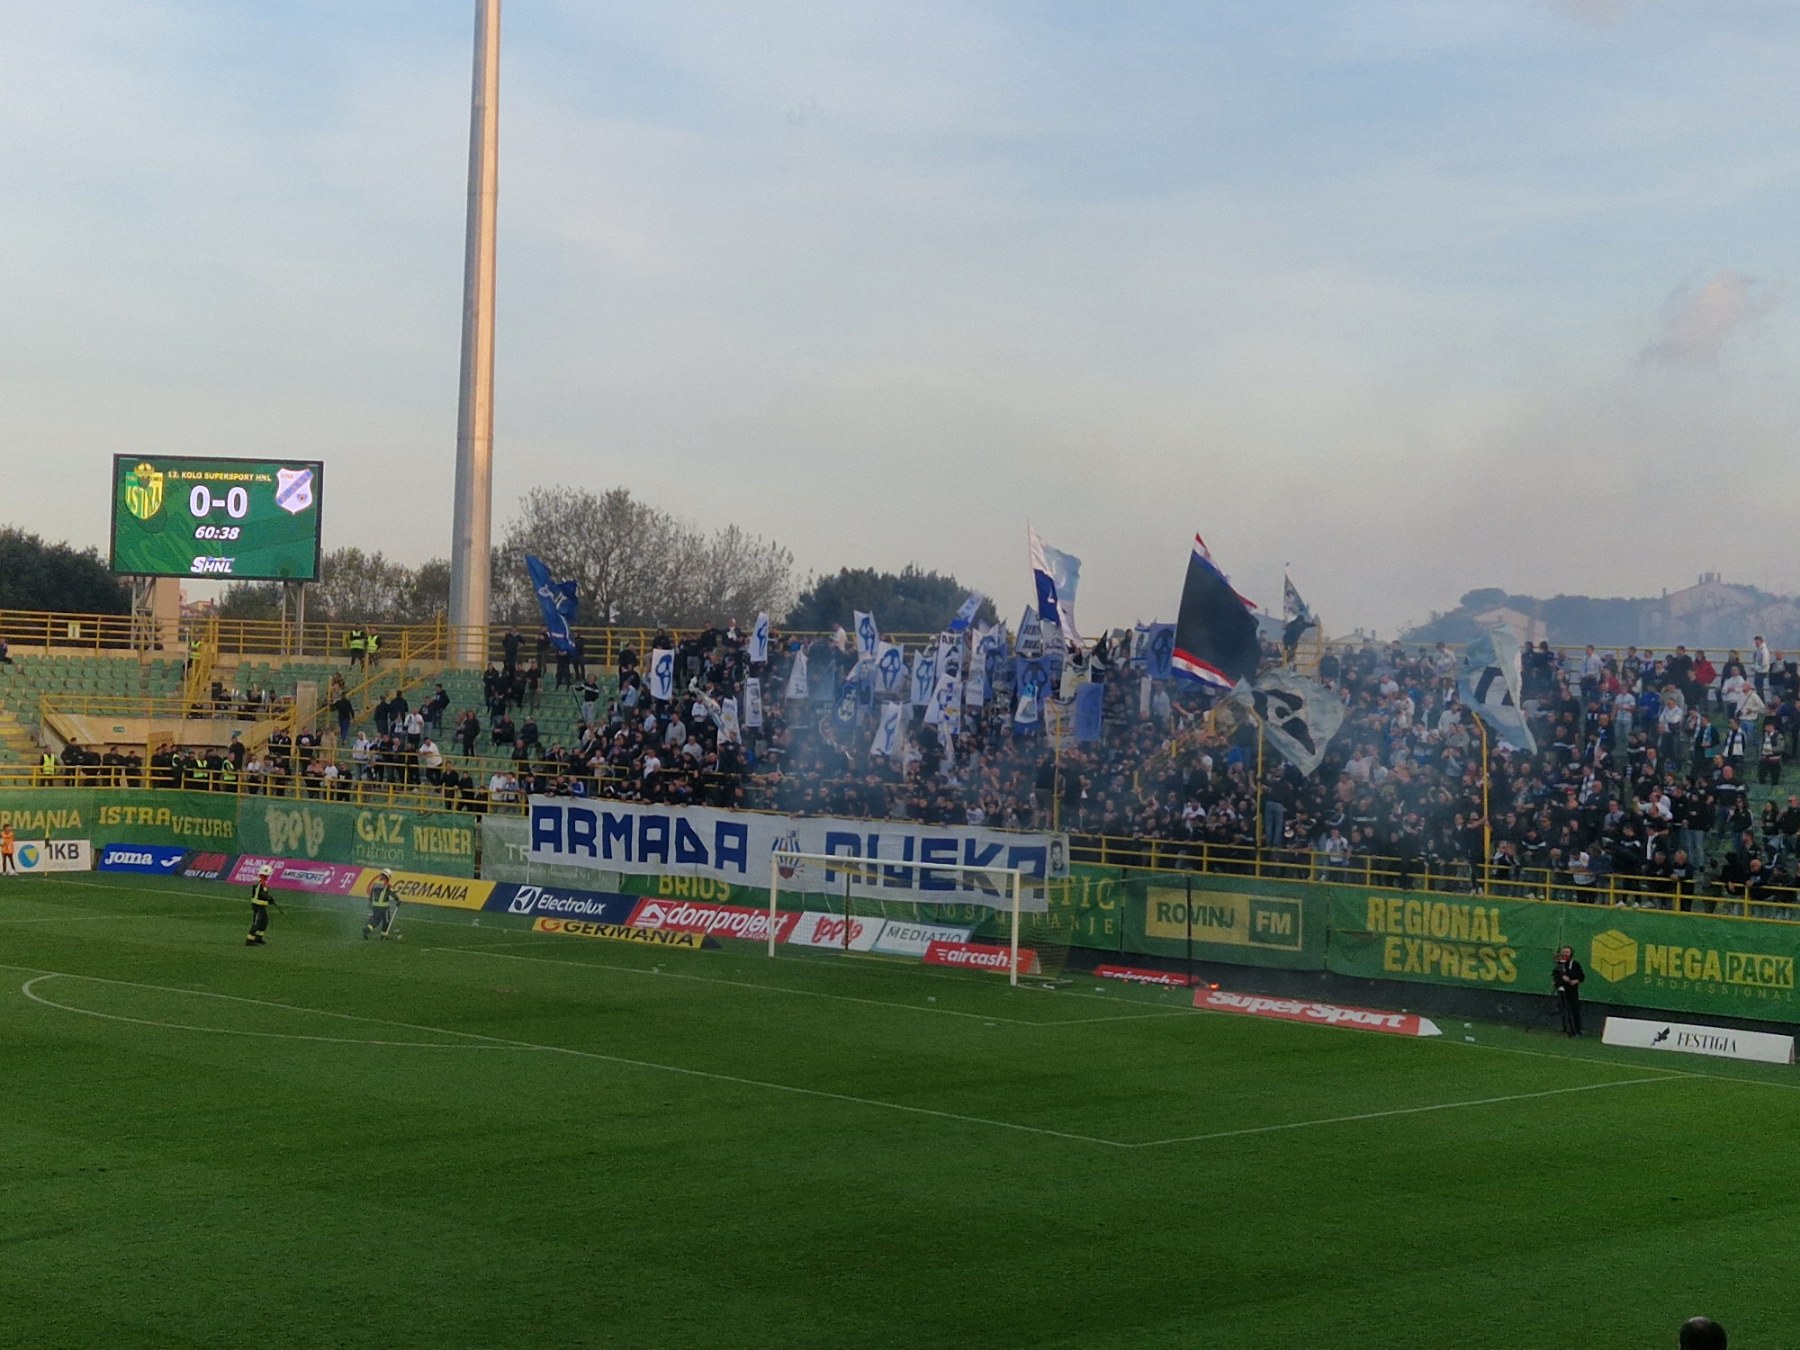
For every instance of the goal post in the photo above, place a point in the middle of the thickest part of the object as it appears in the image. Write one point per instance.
(848, 881)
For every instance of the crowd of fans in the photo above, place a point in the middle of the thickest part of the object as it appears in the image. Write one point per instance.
(1640, 787)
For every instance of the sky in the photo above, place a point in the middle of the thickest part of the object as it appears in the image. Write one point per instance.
(1404, 296)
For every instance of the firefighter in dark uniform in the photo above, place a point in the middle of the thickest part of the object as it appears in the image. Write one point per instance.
(1565, 980)
(260, 900)
(382, 904)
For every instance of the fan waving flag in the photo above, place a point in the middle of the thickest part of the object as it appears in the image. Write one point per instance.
(557, 600)
(1215, 636)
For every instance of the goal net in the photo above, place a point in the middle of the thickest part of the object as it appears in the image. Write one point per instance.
(946, 914)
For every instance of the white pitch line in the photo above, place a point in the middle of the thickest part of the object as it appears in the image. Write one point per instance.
(104, 918)
(1405, 1111)
(652, 1065)
(487, 949)
(30, 993)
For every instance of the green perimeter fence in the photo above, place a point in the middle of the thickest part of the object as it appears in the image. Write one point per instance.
(416, 841)
(1699, 963)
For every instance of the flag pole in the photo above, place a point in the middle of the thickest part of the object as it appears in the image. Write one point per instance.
(1259, 795)
(1487, 815)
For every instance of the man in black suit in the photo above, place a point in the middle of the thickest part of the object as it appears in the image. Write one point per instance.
(1565, 981)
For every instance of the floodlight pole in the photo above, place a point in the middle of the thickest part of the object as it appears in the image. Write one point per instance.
(471, 538)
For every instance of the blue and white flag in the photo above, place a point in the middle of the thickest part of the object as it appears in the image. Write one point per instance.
(949, 658)
(759, 641)
(1090, 704)
(924, 676)
(990, 655)
(1056, 575)
(868, 636)
(728, 721)
(558, 601)
(1488, 685)
(752, 702)
(1159, 651)
(1299, 716)
(846, 710)
(662, 675)
(889, 672)
(1031, 636)
(966, 615)
(796, 682)
(945, 710)
(946, 695)
(887, 731)
(1032, 681)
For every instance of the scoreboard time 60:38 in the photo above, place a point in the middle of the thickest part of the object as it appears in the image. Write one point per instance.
(182, 516)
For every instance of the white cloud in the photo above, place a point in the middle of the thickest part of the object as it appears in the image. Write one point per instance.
(1698, 319)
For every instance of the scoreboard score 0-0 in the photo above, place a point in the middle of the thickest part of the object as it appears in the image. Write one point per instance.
(245, 519)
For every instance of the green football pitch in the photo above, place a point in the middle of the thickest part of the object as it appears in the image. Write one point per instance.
(479, 1136)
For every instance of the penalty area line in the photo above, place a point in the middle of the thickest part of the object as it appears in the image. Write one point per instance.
(488, 949)
(1406, 1111)
(502, 1042)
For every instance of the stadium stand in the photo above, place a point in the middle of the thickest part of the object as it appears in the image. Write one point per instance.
(1623, 801)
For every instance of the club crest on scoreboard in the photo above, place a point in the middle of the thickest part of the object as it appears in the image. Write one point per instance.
(143, 491)
(293, 490)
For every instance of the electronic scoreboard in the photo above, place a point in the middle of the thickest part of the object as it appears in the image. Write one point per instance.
(243, 519)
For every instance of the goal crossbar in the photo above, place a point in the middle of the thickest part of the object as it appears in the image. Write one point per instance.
(852, 870)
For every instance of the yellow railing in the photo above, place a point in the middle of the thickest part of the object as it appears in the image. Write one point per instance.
(268, 717)
(1169, 856)
(1434, 876)
(324, 639)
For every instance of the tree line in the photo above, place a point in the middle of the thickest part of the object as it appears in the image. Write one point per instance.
(637, 565)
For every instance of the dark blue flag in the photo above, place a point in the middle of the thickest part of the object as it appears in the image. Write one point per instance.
(1090, 702)
(558, 601)
(1216, 642)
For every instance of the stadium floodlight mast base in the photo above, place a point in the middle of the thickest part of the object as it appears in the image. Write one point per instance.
(848, 867)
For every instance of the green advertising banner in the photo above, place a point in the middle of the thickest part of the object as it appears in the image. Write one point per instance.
(1644, 958)
(414, 841)
(1083, 911)
(196, 820)
(49, 813)
(1227, 920)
